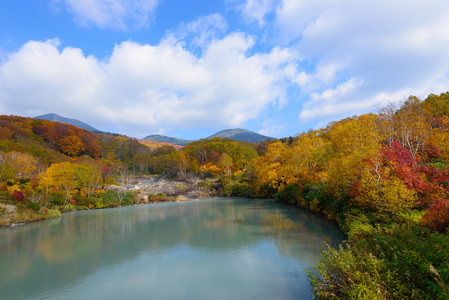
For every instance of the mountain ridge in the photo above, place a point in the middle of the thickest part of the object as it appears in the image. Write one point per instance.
(242, 135)
(237, 134)
(57, 118)
(166, 139)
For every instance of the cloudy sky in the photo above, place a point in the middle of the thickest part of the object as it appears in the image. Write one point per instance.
(191, 68)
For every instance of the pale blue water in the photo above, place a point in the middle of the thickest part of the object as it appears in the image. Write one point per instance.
(208, 249)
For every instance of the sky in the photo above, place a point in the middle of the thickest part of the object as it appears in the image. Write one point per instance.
(188, 69)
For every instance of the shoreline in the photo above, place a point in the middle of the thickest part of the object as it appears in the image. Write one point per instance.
(147, 190)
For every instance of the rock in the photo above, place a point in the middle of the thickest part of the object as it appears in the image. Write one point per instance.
(181, 198)
(142, 198)
(9, 209)
(172, 190)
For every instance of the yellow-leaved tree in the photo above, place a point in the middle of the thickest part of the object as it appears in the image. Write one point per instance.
(60, 176)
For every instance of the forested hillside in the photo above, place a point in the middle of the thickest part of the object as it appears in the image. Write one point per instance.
(48, 167)
(383, 177)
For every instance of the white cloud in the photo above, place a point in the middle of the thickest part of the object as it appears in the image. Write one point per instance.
(256, 10)
(140, 89)
(203, 29)
(273, 128)
(396, 48)
(331, 102)
(119, 14)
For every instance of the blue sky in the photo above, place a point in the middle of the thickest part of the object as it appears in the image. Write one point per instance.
(191, 68)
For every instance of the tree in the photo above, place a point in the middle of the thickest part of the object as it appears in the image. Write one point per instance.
(412, 124)
(382, 191)
(267, 179)
(71, 145)
(89, 177)
(225, 162)
(14, 165)
(62, 176)
(350, 142)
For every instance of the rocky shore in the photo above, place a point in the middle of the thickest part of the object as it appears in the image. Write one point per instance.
(150, 189)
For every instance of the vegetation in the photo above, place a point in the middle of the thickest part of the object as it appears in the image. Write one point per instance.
(383, 177)
(50, 166)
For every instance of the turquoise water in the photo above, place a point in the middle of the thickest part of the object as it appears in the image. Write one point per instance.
(208, 249)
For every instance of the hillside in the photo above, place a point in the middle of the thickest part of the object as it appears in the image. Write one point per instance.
(166, 139)
(57, 118)
(243, 135)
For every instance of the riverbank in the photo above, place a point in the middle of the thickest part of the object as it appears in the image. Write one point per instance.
(16, 215)
(144, 190)
(150, 189)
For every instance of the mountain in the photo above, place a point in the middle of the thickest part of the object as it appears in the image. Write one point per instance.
(57, 118)
(237, 134)
(243, 135)
(166, 139)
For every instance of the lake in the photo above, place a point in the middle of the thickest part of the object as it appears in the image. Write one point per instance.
(223, 248)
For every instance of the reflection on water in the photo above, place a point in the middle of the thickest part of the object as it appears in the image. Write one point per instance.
(208, 249)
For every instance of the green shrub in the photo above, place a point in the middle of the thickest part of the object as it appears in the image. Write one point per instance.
(128, 199)
(52, 213)
(157, 198)
(290, 194)
(237, 190)
(348, 274)
(34, 206)
(396, 261)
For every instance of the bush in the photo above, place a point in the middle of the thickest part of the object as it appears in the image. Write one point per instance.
(34, 206)
(348, 274)
(290, 194)
(315, 197)
(237, 190)
(17, 196)
(412, 256)
(52, 213)
(157, 198)
(437, 217)
(128, 199)
(57, 198)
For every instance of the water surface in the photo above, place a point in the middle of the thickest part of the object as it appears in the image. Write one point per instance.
(208, 249)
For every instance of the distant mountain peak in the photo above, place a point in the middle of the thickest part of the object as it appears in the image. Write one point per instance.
(57, 118)
(239, 134)
(166, 139)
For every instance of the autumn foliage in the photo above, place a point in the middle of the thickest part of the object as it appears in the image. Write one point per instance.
(384, 177)
(70, 140)
(437, 217)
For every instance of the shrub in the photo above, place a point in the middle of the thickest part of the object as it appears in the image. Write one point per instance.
(17, 196)
(237, 190)
(402, 261)
(437, 217)
(290, 194)
(34, 206)
(57, 198)
(157, 198)
(412, 256)
(348, 274)
(128, 199)
(52, 213)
